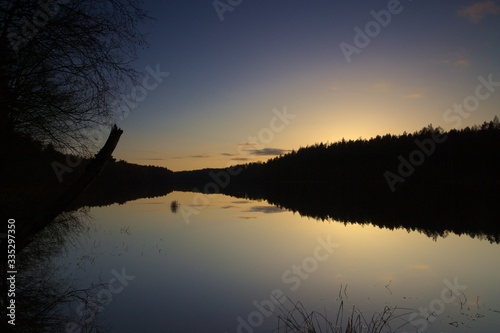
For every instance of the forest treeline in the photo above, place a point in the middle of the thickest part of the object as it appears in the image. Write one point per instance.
(428, 158)
(435, 213)
(121, 181)
(441, 181)
(431, 180)
(35, 175)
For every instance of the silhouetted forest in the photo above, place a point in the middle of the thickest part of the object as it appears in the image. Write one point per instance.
(467, 157)
(435, 214)
(30, 181)
(121, 181)
(432, 181)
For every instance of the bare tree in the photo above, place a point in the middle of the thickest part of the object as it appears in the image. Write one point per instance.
(63, 62)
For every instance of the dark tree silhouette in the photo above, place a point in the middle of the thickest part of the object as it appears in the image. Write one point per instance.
(63, 63)
(453, 185)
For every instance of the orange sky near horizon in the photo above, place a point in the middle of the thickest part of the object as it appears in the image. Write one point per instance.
(225, 78)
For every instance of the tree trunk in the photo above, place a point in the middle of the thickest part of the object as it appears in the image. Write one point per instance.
(26, 233)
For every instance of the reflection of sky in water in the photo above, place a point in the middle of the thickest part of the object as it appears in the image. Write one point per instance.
(202, 276)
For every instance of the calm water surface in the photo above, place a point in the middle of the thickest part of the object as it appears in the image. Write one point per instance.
(233, 259)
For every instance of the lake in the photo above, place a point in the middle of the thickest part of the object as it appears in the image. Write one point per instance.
(227, 264)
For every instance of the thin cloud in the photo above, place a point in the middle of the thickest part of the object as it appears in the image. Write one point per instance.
(382, 85)
(150, 151)
(421, 267)
(477, 11)
(456, 59)
(462, 62)
(414, 96)
(192, 156)
(229, 154)
(201, 156)
(150, 159)
(268, 151)
(247, 144)
(240, 159)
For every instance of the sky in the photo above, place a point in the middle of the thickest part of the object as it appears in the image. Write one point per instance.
(238, 81)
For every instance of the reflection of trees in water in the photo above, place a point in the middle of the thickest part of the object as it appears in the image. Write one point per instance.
(434, 214)
(45, 295)
(174, 206)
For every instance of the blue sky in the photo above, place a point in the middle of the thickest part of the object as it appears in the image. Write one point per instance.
(228, 79)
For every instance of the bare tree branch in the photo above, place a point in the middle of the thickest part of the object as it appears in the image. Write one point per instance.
(63, 63)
